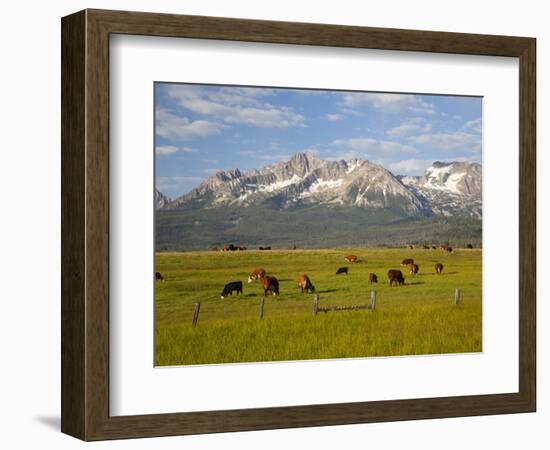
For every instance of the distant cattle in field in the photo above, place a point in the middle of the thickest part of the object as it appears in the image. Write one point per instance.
(158, 276)
(373, 278)
(410, 246)
(469, 246)
(438, 268)
(264, 248)
(239, 248)
(426, 247)
(270, 284)
(414, 269)
(256, 274)
(446, 248)
(228, 248)
(350, 258)
(342, 270)
(229, 288)
(395, 276)
(407, 262)
(434, 247)
(304, 283)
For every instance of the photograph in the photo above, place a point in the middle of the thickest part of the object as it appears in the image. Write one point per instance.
(308, 224)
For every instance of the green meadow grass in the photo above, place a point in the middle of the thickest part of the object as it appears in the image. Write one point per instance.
(417, 318)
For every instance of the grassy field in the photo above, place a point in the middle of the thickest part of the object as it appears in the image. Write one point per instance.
(417, 318)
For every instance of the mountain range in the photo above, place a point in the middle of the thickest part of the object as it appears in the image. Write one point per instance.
(446, 189)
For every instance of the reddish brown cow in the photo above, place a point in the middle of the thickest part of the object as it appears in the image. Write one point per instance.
(270, 284)
(395, 276)
(438, 268)
(414, 269)
(304, 283)
(350, 258)
(407, 262)
(373, 278)
(256, 274)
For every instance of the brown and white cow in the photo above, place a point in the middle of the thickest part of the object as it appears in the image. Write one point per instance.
(373, 278)
(414, 269)
(350, 258)
(256, 274)
(438, 268)
(305, 284)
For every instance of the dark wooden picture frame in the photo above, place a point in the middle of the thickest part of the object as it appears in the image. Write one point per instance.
(85, 224)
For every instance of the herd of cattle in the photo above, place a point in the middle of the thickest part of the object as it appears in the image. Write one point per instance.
(270, 284)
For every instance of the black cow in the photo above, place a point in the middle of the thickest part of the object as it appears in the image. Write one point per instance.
(158, 276)
(342, 270)
(229, 288)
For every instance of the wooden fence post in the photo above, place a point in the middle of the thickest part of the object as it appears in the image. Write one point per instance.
(457, 296)
(262, 308)
(372, 300)
(315, 304)
(196, 314)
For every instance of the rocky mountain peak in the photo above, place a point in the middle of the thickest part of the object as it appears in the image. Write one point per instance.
(445, 188)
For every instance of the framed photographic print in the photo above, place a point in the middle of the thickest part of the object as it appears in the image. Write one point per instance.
(266, 224)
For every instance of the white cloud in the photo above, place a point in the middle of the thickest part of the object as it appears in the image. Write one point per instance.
(171, 149)
(410, 126)
(409, 166)
(474, 125)
(335, 117)
(457, 141)
(394, 103)
(236, 105)
(172, 126)
(375, 147)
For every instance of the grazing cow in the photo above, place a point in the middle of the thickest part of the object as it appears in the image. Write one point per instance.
(270, 284)
(350, 258)
(414, 269)
(264, 248)
(304, 283)
(438, 268)
(449, 249)
(434, 247)
(229, 288)
(395, 276)
(158, 276)
(373, 278)
(342, 270)
(256, 274)
(469, 246)
(407, 262)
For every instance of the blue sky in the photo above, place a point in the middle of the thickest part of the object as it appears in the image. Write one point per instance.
(201, 129)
